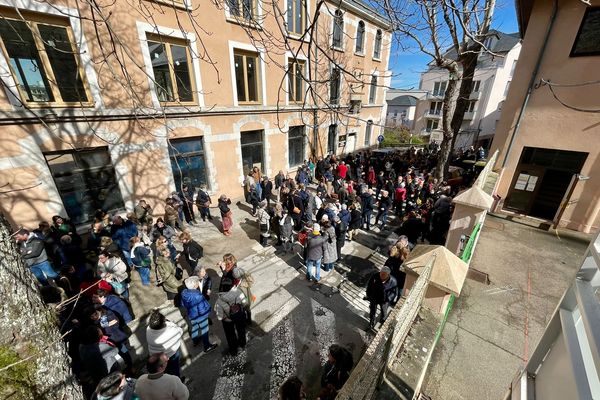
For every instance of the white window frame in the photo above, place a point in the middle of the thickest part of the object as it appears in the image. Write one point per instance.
(380, 44)
(241, 20)
(289, 55)
(261, 56)
(294, 35)
(85, 61)
(340, 48)
(144, 28)
(363, 44)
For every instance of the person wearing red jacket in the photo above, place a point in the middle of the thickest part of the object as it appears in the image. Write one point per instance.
(400, 199)
(342, 170)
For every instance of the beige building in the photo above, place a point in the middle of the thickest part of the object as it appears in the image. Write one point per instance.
(549, 133)
(103, 107)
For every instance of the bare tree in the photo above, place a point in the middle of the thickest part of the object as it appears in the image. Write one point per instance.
(33, 360)
(453, 34)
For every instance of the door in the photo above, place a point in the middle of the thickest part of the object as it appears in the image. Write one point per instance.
(351, 142)
(523, 189)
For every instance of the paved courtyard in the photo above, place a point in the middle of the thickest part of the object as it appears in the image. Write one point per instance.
(295, 321)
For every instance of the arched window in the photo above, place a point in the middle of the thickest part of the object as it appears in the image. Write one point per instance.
(360, 37)
(338, 29)
(377, 47)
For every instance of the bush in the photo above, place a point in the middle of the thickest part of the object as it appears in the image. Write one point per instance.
(397, 137)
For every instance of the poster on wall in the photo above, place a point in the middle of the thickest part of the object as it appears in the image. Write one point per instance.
(521, 182)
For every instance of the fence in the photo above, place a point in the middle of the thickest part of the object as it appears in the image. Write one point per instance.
(368, 373)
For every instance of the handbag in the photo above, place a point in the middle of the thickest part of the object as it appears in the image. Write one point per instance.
(296, 210)
(178, 273)
(236, 312)
(264, 228)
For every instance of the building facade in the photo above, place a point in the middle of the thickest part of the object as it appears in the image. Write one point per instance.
(492, 78)
(103, 107)
(402, 106)
(549, 134)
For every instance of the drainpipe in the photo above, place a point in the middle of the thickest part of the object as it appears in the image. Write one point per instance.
(315, 108)
(531, 82)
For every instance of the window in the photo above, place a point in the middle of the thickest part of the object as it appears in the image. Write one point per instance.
(431, 125)
(435, 108)
(373, 90)
(377, 45)
(296, 80)
(331, 136)
(43, 60)
(86, 181)
(368, 131)
(506, 89)
(246, 76)
(252, 150)
(439, 88)
(587, 42)
(338, 29)
(171, 63)
(471, 106)
(296, 145)
(475, 86)
(245, 9)
(187, 162)
(360, 37)
(334, 86)
(512, 69)
(296, 16)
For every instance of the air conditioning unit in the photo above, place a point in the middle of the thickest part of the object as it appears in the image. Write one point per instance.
(355, 106)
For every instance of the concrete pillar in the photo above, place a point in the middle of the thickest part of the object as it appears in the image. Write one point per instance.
(470, 207)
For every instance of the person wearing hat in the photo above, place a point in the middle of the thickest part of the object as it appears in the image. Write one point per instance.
(264, 224)
(315, 248)
(198, 310)
(382, 289)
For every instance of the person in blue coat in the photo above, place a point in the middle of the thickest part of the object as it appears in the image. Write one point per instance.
(198, 310)
(121, 231)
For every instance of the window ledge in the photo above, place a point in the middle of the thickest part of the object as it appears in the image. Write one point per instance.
(176, 4)
(359, 54)
(335, 48)
(297, 36)
(376, 59)
(243, 22)
(54, 106)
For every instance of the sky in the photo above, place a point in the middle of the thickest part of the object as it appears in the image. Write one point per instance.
(407, 65)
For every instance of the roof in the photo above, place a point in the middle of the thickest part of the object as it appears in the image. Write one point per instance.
(407, 101)
(523, 8)
(449, 272)
(368, 11)
(474, 197)
(503, 44)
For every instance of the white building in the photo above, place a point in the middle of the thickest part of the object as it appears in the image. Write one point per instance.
(402, 106)
(490, 86)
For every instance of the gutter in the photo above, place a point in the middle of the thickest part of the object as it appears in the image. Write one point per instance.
(531, 82)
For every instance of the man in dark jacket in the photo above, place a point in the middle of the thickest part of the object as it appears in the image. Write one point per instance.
(385, 203)
(204, 281)
(33, 251)
(340, 235)
(315, 248)
(267, 190)
(114, 304)
(121, 231)
(203, 202)
(382, 289)
(367, 204)
(294, 202)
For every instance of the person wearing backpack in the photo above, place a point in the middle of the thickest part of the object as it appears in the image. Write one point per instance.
(198, 310)
(230, 311)
(141, 259)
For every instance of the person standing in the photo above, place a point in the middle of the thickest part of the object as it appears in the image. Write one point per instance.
(33, 251)
(264, 223)
(355, 222)
(198, 309)
(164, 337)
(158, 384)
(187, 198)
(330, 255)
(226, 215)
(340, 236)
(204, 282)
(279, 179)
(366, 199)
(315, 248)
(267, 189)
(382, 289)
(203, 202)
(141, 259)
(166, 272)
(385, 203)
(143, 212)
(192, 251)
(230, 311)
(121, 231)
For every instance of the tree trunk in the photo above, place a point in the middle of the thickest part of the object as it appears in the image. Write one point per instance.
(441, 169)
(28, 328)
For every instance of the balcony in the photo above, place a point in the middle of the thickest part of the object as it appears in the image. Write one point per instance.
(356, 96)
(433, 114)
(475, 95)
(435, 95)
(469, 116)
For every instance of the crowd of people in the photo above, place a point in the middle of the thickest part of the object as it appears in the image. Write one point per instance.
(89, 280)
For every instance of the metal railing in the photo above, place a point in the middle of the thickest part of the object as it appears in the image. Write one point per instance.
(370, 370)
